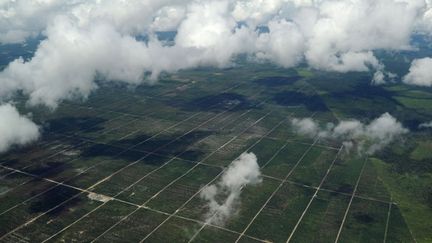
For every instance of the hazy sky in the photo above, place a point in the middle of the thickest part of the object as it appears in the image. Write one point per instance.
(85, 38)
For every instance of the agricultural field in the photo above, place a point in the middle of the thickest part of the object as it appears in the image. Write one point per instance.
(129, 164)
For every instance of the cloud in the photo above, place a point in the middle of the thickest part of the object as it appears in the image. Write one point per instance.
(67, 62)
(223, 198)
(305, 126)
(420, 73)
(368, 138)
(346, 32)
(21, 19)
(380, 77)
(15, 129)
(426, 125)
(283, 44)
(89, 39)
(92, 38)
(74, 53)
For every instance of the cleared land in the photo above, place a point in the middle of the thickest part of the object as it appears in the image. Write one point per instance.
(127, 165)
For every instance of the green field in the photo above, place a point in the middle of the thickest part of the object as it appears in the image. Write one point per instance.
(128, 164)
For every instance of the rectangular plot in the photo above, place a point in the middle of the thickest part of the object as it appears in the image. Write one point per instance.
(398, 230)
(110, 99)
(321, 222)
(195, 121)
(52, 223)
(365, 222)
(56, 164)
(145, 185)
(25, 157)
(11, 179)
(344, 174)
(100, 220)
(211, 142)
(169, 143)
(286, 132)
(112, 124)
(101, 125)
(251, 200)
(74, 168)
(212, 234)
(266, 149)
(134, 228)
(283, 132)
(215, 141)
(329, 142)
(284, 161)
(225, 120)
(174, 230)
(106, 98)
(174, 114)
(178, 193)
(193, 155)
(234, 123)
(371, 185)
(182, 144)
(94, 174)
(35, 207)
(75, 123)
(4, 171)
(79, 158)
(281, 214)
(272, 121)
(142, 142)
(246, 121)
(232, 149)
(145, 127)
(325, 117)
(314, 166)
(132, 104)
(213, 120)
(19, 192)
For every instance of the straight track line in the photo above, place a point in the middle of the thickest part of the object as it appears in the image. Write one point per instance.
(387, 222)
(314, 195)
(350, 202)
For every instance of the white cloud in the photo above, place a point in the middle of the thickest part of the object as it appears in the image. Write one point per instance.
(305, 126)
(426, 125)
(168, 18)
(284, 44)
(223, 198)
(21, 19)
(65, 64)
(381, 77)
(368, 138)
(89, 38)
(15, 129)
(420, 73)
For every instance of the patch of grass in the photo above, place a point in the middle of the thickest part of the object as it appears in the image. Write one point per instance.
(422, 151)
(407, 191)
(322, 220)
(366, 222)
(415, 103)
(279, 217)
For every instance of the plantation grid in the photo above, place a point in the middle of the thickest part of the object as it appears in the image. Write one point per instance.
(136, 176)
